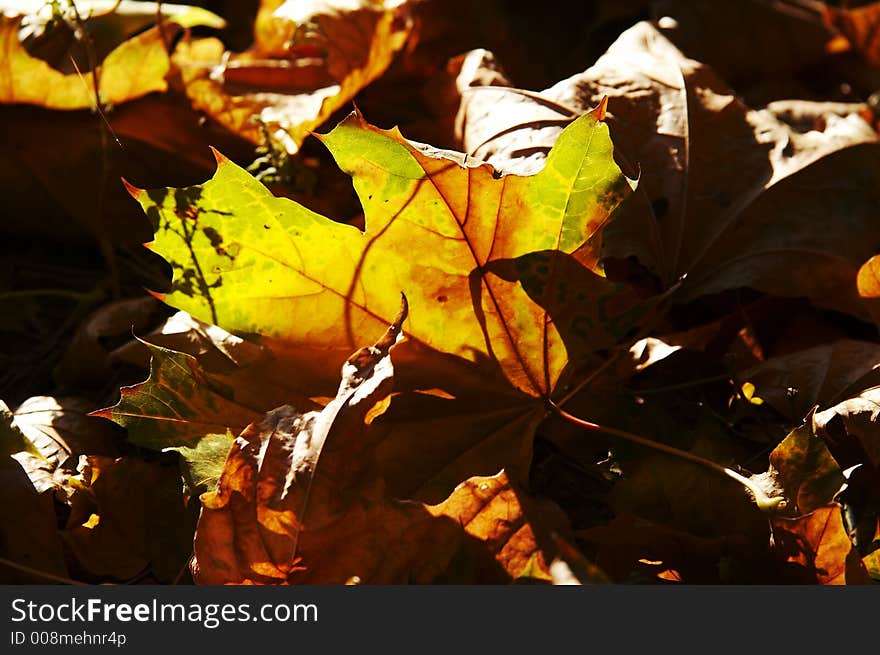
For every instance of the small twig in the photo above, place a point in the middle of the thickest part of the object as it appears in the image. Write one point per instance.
(183, 570)
(764, 502)
(81, 296)
(41, 574)
(587, 381)
(681, 385)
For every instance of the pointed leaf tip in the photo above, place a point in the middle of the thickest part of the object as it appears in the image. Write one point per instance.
(601, 109)
(158, 296)
(219, 157)
(133, 191)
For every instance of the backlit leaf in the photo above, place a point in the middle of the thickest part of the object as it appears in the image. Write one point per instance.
(309, 58)
(818, 543)
(807, 473)
(135, 68)
(488, 255)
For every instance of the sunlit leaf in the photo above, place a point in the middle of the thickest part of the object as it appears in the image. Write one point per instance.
(135, 68)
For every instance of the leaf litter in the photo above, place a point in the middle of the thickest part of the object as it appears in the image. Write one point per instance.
(588, 381)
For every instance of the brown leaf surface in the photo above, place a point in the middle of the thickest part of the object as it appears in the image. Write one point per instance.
(818, 542)
(60, 430)
(858, 418)
(516, 329)
(28, 532)
(74, 189)
(87, 360)
(299, 501)
(772, 226)
(307, 61)
(821, 376)
(749, 41)
(859, 26)
(632, 549)
(128, 520)
(686, 497)
(804, 469)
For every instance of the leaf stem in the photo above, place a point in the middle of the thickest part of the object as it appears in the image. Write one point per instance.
(764, 502)
(681, 385)
(40, 574)
(82, 296)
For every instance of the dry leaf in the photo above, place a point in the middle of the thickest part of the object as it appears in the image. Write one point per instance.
(299, 501)
(289, 87)
(772, 226)
(818, 543)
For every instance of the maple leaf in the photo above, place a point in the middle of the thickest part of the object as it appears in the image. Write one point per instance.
(127, 519)
(464, 246)
(509, 262)
(856, 417)
(298, 502)
(307, 61)
(819, 543)
(133, 69)
(796, 382)
(196, 406)
(804, 469)
(699, 229)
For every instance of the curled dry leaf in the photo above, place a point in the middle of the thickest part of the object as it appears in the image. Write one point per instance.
(128, 520)
(793, 384)
(214, 347)
(60, 430)
(307, 61)
(819, 544)
(840, 443)
(774, 226)
(87, 360)
(855, 418)
(127, 516)
(28, 529)
(299, 502)
(803, 469)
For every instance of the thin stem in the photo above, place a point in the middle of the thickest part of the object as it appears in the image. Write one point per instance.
(40, 574)
(764, 502)
(681, 385)
(83, 296)
(183, 570)
(580, 386)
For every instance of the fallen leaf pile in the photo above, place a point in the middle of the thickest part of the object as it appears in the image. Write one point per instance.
(624, 329)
